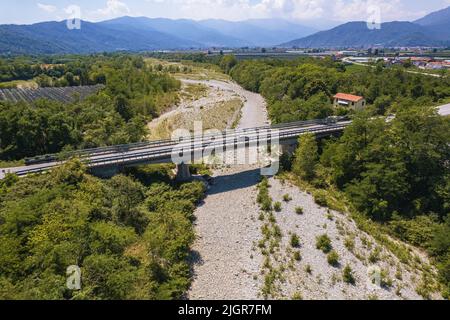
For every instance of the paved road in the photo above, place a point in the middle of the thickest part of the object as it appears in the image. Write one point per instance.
(164, 151)
(347, 60)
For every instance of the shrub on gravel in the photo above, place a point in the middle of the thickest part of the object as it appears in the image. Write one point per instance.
(333, 258)
(299, 210)
(287, 198)
(297, 296)
(295, 241)
(308, 269)
(277, 206)
(347, 275)
(323, 243)
(297, 256)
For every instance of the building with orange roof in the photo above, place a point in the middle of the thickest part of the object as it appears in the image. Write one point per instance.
(349, 101)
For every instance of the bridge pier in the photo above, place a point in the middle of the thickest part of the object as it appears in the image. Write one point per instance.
(289, 149)
(105, 172)
(183, 173)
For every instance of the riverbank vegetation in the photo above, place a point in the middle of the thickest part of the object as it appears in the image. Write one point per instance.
(393, 173)
(118, 114)
(130, 235)
(302, 89)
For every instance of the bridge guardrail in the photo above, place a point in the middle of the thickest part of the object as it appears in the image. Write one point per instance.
(141, 145)
(123, 158)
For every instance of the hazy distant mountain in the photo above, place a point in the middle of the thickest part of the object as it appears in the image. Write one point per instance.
(260, 32)
(141, 33)
(357, 34)
(432, 30)
(437, 23)
(55, 37)
(188, 30)
(435, 18)
(219, 33)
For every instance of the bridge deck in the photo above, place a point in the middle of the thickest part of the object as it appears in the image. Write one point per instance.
(162, 151)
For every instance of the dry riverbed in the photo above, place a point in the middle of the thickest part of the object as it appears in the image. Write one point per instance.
(308, 274)
(217, 104)
(227, 263)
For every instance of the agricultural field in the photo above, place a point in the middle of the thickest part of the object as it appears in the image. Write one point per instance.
(66, 94)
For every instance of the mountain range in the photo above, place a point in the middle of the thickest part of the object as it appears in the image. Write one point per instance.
(144, 34)
(141, 34)
(432, 30)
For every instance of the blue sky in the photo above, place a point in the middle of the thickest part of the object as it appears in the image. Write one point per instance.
(30, 11)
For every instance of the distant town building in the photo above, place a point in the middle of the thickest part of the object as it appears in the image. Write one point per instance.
(349, 101)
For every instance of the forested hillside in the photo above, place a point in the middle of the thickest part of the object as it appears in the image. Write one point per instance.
(116, 115)
(395, 173)
(130, 235)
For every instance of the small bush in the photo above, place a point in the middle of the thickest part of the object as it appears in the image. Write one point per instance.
(295, 241)
(299, 210)
(385, 279)
(297, 256)
(320, 198)
(277, 206)
(266, 205)
(261, 217)
(297, 296)
(308, 269)
(349, 244)
(347, 275)
(323, 243)
(333, 258)
(287, 198)
(375, 255)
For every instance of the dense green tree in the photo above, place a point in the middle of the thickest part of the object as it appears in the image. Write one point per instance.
(306, 157)
(125, 249)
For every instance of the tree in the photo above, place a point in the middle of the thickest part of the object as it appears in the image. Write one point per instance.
(306, 157)
(227, 63)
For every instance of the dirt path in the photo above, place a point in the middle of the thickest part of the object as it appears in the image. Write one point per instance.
(227, 227)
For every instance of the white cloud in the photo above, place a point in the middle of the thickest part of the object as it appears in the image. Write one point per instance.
(114, 8)
(390, 10)
(301, 10)
(47, 8)
(295, 9)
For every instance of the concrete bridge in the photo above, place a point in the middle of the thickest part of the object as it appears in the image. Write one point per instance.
(107, 161)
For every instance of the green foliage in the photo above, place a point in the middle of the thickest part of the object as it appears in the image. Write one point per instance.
(295, 241)
(263, 198)
(397, 167)
(308, 269)
(374, 256)
(227, 63)
(418, 231)
(297, 296)
(127, 247)
(323, 243)
(299, 210)
(302, 89)
(297, 256)
(347, 275)
(306, 157)
(277, 206)
(333, 258)
(287, 198)
(116, 115)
